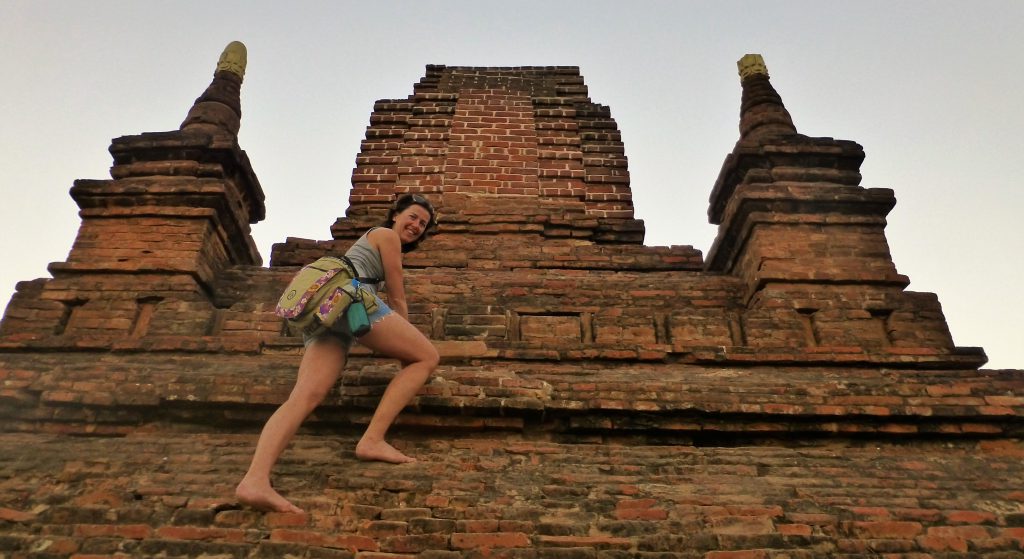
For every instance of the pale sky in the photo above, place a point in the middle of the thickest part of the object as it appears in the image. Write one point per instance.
(931, 89)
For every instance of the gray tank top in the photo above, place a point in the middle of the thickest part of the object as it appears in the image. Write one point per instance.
(367, 261)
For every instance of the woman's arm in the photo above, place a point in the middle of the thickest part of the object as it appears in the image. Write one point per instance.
(389, 246)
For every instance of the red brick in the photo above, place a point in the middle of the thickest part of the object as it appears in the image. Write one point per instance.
(969, 517)
(11, 515)
(942, 543)
(285, 519)
(871, 512)
(794, 529)
(1005, 401)
(477, 526)
(742, 525)
(639, 509)
(743, 554)
(489, 540)
(383, 528)
(130, 531)
(596, 542)
(350, 542)
(968, 532)
(200, 533)
(886, 529)
(920, 515)
(58, 546)
(814, 519)
(1004, 448)
(414, 543)
(641, 514)
(1013, 533)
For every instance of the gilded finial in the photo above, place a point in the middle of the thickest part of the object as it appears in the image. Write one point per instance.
(233, 59)
(219, 108)
(750, 65)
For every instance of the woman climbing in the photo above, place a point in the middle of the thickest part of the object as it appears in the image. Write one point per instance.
(378, 253)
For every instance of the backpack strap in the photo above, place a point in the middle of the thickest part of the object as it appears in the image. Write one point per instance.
(355, 271)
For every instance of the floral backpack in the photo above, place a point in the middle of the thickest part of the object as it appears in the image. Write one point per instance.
(321, 293)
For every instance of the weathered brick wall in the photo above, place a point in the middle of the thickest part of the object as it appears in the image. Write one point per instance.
(525, 131)
(591, 311)
(596, 399)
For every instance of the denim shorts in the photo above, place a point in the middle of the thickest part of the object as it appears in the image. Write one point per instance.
(340, 329)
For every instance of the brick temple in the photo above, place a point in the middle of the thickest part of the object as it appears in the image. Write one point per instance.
(784, 395)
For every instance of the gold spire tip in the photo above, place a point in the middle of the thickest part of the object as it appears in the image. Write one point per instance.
(751, 64)
(233, 59)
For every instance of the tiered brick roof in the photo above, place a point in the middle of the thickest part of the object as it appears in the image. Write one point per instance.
(786, 396)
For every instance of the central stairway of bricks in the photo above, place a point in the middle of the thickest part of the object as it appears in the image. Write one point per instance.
(510, 495)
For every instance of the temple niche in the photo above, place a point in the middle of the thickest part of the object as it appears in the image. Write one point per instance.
(783, 395)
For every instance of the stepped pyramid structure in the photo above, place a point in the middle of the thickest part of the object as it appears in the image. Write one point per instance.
(783, 396)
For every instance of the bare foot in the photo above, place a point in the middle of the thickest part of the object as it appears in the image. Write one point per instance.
(263, 497)
(381, 451)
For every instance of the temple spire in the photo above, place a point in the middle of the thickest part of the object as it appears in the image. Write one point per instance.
(762, 113)
(219, 108)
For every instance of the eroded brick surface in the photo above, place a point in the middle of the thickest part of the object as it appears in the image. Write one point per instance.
(172, 493)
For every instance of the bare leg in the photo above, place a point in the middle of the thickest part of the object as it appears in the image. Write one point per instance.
(395, 337)
(320, 368)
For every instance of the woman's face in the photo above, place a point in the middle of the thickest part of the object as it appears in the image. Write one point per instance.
(411, 223)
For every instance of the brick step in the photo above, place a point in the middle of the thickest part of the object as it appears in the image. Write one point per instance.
(118, 393)
(171, 495)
